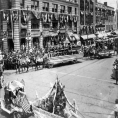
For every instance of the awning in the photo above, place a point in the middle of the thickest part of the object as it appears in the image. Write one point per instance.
(88, 36)
(76, 36)
(53, 34)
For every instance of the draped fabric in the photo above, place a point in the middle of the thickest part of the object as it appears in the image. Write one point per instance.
(44, 17)
(50, 17)
(61, 18)
(26, 15)
(6, 15)
(15, 15)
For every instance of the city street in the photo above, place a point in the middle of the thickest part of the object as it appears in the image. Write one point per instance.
(88, 82)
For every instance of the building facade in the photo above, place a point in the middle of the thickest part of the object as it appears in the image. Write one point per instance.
(104, 17)
(48, 22)
(87, 17)
(117, 15)
(37, 22)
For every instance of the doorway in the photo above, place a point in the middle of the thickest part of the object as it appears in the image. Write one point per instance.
(10, 45)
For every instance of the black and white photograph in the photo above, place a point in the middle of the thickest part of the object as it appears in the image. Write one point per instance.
(58, 58)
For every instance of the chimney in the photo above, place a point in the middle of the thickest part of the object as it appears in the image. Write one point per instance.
(105, 3)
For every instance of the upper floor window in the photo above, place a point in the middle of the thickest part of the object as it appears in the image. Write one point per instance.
(34, 4)
(22, 5)
(45, 6)
(62, 9)
(69, 10)
(54, 8)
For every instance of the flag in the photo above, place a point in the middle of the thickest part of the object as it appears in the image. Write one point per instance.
(25, 105)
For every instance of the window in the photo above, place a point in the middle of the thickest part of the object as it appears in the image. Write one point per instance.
(75, 11)
(10, 4)
(45, 6)
(69, 10)
(54, 8)
(34, 4)
(62, 10)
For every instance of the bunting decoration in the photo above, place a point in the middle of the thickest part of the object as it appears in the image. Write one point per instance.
(56, 16)
(75, 19)
(36, 14)
(44, 17)
(71, 17)
(15, 15)
(6, 15)
(65, 18)
(50, 17)
(61, 18)
(26, 15)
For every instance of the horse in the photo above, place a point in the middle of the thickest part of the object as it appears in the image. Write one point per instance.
(38, 60)
(22, 62)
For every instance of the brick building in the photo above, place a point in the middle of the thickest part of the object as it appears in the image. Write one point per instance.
(37, 22)
(104, 17)
(48, 22)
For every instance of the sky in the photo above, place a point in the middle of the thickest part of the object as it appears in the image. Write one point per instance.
(111, 3)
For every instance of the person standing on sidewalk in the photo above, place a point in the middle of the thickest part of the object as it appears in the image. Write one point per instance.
(116, 72)
(116, 108)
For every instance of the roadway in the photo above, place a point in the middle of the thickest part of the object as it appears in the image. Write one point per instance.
(88, 82)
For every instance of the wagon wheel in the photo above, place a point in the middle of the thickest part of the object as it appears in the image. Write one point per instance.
(1, 82)
(17, 115)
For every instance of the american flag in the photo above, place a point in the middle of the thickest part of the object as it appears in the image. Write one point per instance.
(26, 105)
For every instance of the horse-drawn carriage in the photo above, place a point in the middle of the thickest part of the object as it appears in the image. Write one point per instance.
(53, 105)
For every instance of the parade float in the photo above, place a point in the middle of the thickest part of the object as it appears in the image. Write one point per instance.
(15, 102)
(54, 104)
